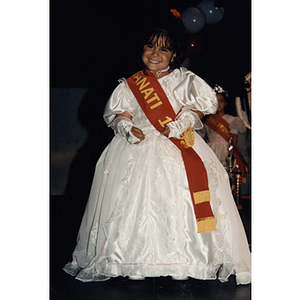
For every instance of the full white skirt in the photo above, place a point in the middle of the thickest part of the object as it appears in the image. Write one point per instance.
(139, 219)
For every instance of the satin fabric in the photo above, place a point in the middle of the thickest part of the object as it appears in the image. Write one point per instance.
(139, 218)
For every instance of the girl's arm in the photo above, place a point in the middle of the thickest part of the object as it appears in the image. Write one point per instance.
(134, 130)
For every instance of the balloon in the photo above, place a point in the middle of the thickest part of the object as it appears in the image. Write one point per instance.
(213, 14)
(193, 19)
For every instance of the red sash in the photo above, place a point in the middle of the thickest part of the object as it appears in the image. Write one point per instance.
(221, 127)
(156, 106)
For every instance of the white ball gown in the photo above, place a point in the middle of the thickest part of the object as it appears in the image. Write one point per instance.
(139, 219)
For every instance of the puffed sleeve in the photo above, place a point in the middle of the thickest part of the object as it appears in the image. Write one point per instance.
(195, 93)
(237, 125)
(120, 100)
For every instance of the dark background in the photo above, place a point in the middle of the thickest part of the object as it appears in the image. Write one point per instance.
(93, 42)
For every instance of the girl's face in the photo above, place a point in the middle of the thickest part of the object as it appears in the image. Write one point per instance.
(156, 55)
(221, 102)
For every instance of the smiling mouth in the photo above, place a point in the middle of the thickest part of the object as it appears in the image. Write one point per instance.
(154, 61)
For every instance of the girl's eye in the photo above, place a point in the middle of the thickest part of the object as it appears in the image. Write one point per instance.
(150, 46)
(164, 49)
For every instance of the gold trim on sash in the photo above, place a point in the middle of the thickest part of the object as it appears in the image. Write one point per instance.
(206, 224)
(203, 196)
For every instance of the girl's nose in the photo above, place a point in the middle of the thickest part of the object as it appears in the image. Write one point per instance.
(154, 52)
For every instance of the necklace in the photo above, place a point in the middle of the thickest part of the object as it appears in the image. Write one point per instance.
(159, 72)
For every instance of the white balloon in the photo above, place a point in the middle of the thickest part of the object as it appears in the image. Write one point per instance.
(193, 19)
(213, 14)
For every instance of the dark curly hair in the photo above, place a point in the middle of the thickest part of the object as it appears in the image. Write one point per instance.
(167, 25)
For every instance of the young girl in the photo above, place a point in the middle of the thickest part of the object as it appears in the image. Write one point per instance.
(220, 128)
(160, 203)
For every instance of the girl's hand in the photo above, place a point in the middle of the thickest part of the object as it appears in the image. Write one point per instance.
(166, 131)
(138, 133)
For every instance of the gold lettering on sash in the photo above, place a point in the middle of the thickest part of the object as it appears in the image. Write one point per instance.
(137, 78)
(224, 129)
(155, 105)
(219, 127)
(147, 92)
(153, 98)
(162, 123)
(213, 121)
(142, 83)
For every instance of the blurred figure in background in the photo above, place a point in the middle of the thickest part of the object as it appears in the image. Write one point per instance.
(221, 133)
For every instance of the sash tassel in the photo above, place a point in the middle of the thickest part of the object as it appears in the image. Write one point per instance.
(206, 224)
(202, 196)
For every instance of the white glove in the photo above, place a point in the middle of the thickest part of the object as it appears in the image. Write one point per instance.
(185, 119)
(123, 125)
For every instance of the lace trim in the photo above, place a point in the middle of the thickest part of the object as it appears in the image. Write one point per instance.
(94, 234)
(71, 268)
(221, 257)
(198, 271)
